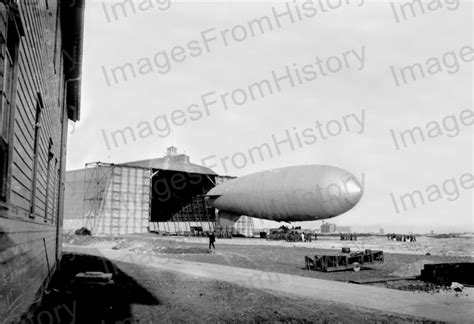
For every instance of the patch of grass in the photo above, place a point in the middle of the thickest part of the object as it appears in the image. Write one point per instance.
(190, 250)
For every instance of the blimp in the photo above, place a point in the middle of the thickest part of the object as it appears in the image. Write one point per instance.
(290, 194)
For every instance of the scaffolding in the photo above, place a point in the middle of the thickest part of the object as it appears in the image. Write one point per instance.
(127, 209)
(96, 178)
(200, 214)
(115, 201)
(116, 198)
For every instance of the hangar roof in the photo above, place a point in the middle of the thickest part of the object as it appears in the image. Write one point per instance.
(179, 163)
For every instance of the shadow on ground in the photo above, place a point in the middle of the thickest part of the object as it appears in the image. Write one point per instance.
(66, 301)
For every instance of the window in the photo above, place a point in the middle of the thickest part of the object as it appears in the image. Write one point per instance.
(39, 110)
(49, 174)
(61, 82)
(55, 176)
(9, 42)
(56, 38)
(57, 193)
(4, 173)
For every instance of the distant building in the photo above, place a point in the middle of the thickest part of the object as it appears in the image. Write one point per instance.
(172, 151)
(165, 194)
(343, 229)
(328, 228)
(235, 225)
(382, 231)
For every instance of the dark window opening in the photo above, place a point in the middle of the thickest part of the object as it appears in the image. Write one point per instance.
(48, 179)
(9, 50)
(55, 190)
(56, 38)
(39, 109)
(57, 203)
(3, 169)
(61, 82)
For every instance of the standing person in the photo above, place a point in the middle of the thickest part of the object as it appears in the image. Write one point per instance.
(212, 239)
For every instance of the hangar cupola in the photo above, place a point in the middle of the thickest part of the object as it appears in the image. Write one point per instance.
(172, 151)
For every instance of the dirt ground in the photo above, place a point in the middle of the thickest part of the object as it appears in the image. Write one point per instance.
(145, 295)
(288, 260)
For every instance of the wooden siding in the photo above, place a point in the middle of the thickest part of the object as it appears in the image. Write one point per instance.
(29, 243)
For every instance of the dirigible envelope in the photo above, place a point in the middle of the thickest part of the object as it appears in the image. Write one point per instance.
(298, 193)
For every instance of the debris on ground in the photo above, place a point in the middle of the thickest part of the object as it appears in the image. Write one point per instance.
(93, 277)
(457, 287)
(83, 231)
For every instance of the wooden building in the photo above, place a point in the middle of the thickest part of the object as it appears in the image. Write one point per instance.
(40, 66)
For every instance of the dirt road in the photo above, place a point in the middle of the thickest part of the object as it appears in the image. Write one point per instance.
(142, 294)
(380, 299)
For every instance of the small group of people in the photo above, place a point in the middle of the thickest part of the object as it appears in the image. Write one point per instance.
(348, 237)
(297, 237)
(401, 237)
(306, 237)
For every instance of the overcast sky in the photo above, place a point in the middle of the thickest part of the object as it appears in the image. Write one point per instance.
(344, 105)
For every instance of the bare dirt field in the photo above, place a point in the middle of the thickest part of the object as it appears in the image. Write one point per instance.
(277, 257)
(145, 295)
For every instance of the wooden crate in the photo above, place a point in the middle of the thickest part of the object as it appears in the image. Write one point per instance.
(343, 261)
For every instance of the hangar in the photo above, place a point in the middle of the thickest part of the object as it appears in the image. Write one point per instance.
(164, 195)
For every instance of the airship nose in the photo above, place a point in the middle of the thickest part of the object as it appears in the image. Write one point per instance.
(354, 191)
